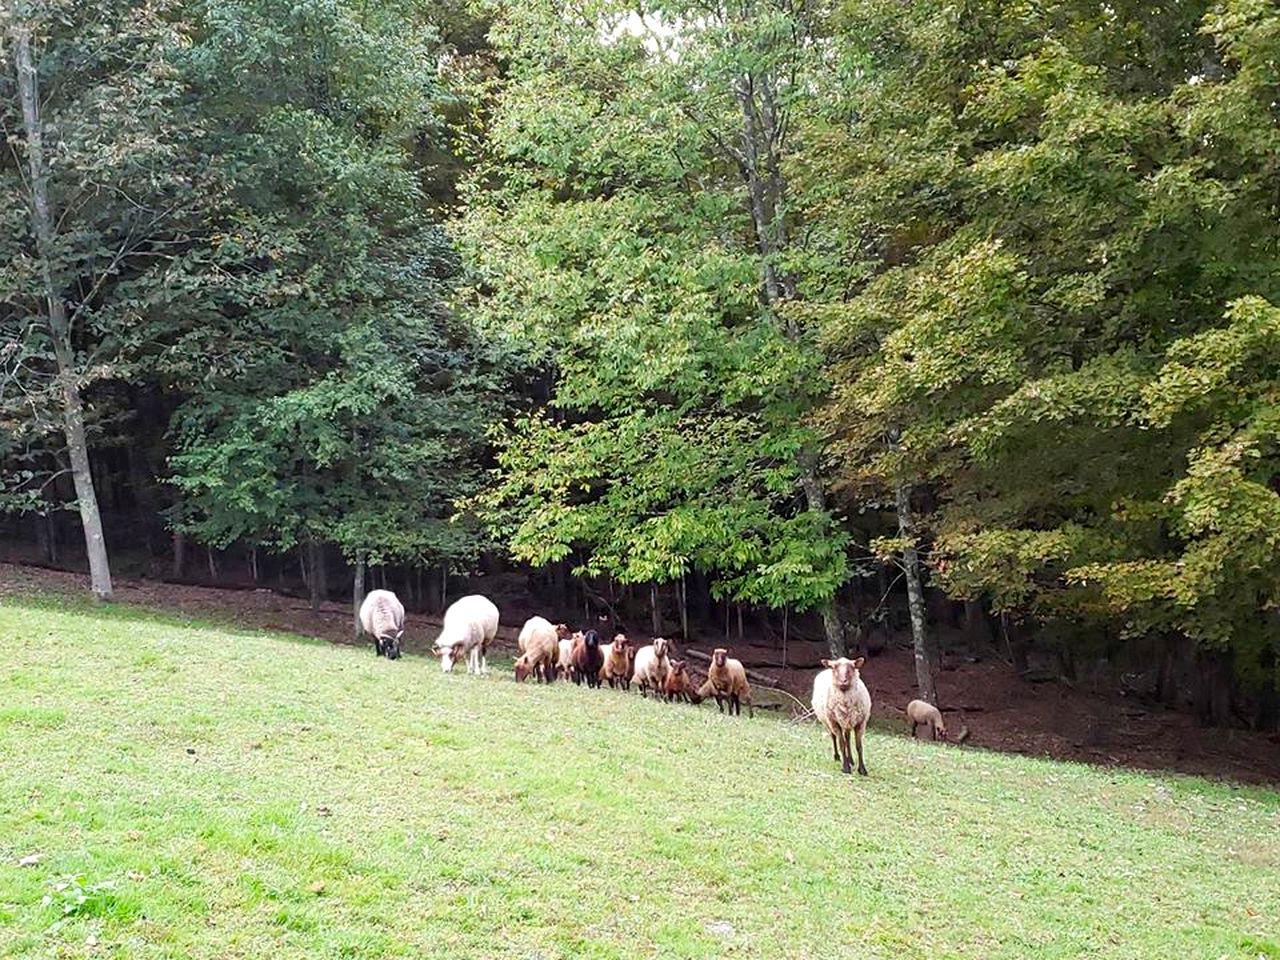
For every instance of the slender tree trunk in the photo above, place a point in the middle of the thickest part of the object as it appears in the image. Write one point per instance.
(816, 500)
(915, 596)
(357, 596)
(315, 563)
(59, 325)
(655, 612)
(684, 610)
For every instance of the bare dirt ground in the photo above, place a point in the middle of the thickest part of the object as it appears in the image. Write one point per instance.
(1001, 710)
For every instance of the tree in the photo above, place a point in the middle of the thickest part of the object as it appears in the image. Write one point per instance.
(1056, 208)
(91, 106)
(627, 227)
(347, 404)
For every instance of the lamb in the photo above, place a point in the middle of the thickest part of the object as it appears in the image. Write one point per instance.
(727, 682)
(922, 712)
(842, 703)
(651, 666)
(617, 665)
(586, 657)
(382, 619)
(564, 664)
(470, 623)
(539, 644)
(678, 686)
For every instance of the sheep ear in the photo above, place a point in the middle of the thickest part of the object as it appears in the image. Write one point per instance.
(825, 663)
(857, 664)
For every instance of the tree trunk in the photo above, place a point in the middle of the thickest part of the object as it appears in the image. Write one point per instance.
(655, 613)
(684, 610)
(915, 596)
(315, 567)
(357, 597)
(816, 500)
(59, 325)
(179, 554)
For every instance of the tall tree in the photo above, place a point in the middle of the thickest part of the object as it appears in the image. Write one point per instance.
(90, 103)
(629, 226)
(345, 403)
(1055, 207)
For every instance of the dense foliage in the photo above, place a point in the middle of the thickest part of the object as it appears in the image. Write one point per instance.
(768, 294)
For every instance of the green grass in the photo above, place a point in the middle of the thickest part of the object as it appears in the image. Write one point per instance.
(200, 792)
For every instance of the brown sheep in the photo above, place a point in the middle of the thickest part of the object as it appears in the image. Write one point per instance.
(617, 662)
(921, 713)
(678, 686)
(727, 682)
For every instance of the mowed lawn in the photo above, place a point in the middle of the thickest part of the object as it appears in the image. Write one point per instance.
(179, 790)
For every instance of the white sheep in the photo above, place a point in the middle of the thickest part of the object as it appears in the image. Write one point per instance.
(539, 645)
(470, 623)
(842, 703)
(382, 619)
(652, 665)
(564, 663)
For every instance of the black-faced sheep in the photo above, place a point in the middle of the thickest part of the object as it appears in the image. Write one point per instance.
(651, 666)
(587, 658)
(382, 619)
(842, 704)
(727, 682)
(470, 624)
(923, 713)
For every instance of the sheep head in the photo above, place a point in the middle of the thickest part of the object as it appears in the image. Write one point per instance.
(843, 671)
(719, 655)
(389, 647)
(522, 668)
(448, 654)
(661, 646)
(562, 631)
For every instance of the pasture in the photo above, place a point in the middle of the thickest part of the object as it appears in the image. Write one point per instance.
(177, 789)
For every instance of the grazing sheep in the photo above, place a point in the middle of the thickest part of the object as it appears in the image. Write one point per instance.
(678, 686)
(727, 682)
(651, 666)
(470, 623)
(617, 665)
(539, 644)
(587, 659)
(382, 618)
(921, 712)
(842, 704)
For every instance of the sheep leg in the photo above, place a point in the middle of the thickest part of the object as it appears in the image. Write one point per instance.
(835, 747)
(846, 761)
(933, 730)
(857, 733)
(913, 729)
(751, 710)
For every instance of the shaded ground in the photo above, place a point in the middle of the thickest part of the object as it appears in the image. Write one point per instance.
(1001, 710)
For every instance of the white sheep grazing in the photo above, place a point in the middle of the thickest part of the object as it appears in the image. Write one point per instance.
(539, 645)
(921, 712)
(652, 665)
(842, 703)
(382, 619)
(469, 624)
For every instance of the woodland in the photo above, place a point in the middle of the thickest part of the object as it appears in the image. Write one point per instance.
(848, 317)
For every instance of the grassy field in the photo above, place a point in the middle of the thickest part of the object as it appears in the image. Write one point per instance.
(176, 790)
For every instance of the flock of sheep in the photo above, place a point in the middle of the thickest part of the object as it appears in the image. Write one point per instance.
(841, 702)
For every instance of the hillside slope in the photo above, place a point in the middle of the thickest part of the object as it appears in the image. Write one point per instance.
(173, 790)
